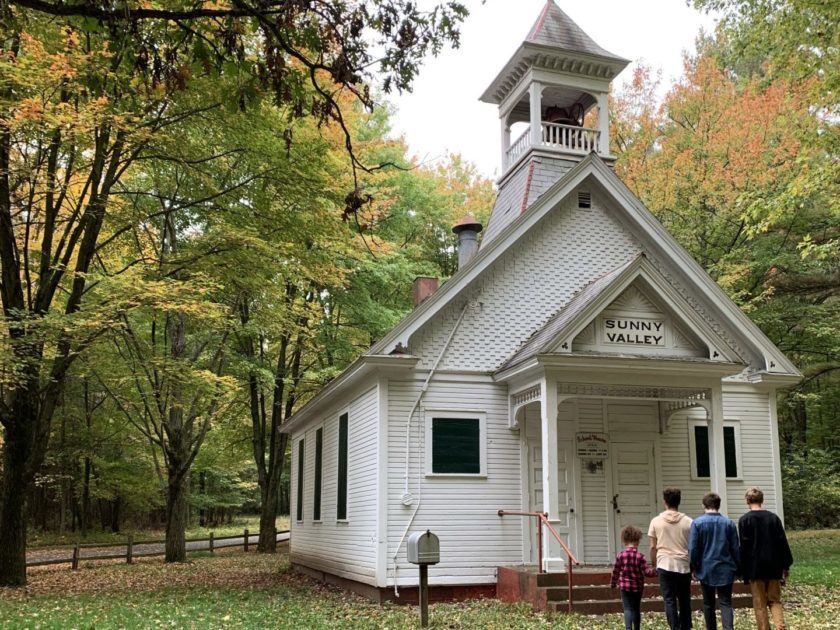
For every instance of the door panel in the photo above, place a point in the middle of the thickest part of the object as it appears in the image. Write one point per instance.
(634, 500)
(565, 490)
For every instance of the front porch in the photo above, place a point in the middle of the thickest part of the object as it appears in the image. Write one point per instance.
(605, 450)
(590, 593)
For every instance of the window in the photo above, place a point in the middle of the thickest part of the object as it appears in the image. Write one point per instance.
(455, 443)
(698, 433)
(299, 509)
(341, 507)
(319, 465)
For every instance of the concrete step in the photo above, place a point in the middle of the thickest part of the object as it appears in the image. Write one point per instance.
(649, 604)
(604, 592)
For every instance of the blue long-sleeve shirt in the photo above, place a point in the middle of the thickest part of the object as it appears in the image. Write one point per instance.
(713, 551)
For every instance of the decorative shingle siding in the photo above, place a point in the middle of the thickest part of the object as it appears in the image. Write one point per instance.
(460, 510)
(530, 179)
(352, 544)
(526, 286)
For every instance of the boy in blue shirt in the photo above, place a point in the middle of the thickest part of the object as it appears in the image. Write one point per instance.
(713, 556)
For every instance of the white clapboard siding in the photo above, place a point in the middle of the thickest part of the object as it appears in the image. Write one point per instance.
(527, 285)
(346, 549)
(460, 510)
(596, 514)
(751, 409)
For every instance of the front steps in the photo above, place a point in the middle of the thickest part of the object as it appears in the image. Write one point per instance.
(591, 593)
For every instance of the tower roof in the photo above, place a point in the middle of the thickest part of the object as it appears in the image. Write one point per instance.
(556, 29)
(555, 42)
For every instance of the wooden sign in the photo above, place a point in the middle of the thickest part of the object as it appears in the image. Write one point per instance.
(592, 445)
(634, 331)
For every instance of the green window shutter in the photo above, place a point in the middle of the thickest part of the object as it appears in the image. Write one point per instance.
(456, 446)
(729, 454)
(701, 450)
(300, 482)
(341, 508)
(319, 462)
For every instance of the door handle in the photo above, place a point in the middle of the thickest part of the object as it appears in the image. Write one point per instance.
(615, 503)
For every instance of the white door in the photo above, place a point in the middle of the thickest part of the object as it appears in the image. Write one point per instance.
(634, 490)
(565, 488)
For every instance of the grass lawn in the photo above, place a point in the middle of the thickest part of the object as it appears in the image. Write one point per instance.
(235, 590)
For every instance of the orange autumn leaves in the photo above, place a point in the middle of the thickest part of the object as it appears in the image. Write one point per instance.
(709, 159)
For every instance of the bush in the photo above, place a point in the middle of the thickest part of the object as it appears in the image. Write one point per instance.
(811, 485)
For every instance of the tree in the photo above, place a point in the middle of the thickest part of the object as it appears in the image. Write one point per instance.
(742, 172)
(86, 88)
(795, 39)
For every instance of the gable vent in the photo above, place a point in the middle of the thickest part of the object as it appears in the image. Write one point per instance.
(584, 199)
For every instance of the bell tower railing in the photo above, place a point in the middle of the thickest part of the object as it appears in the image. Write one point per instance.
(556, 137)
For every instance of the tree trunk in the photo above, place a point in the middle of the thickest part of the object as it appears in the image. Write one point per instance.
(268, 515)
(84, 512)
(177, 515)
(13, 511)
(115, 515)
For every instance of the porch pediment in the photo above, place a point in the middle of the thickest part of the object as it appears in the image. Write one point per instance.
(630, 311)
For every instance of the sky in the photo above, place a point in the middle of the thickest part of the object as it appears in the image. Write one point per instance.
(443, 113)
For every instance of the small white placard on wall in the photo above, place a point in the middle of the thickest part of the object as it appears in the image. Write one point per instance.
(592, 445)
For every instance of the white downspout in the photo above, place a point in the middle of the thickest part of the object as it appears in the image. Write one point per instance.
(407, 497)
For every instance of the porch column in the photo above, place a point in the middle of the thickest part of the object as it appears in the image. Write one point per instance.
(548, 421)
(603, 124)
(717, 458)
(505, 143)
(535, 94)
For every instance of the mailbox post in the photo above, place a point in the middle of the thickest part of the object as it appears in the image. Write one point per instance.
(424, 549)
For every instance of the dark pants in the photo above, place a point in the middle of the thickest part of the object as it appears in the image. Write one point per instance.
(724, 593)
(676, 591)
(632, 603)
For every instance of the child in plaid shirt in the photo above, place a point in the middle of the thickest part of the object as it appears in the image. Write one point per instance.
(629, 575)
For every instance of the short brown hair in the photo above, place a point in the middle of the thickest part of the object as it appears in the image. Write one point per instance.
(672, 497)
(711, 501)
(631, 534)
(754, 496)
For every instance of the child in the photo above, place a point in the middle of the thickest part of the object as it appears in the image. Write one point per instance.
(629, 575)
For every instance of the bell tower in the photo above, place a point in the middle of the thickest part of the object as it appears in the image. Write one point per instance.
(554, 89)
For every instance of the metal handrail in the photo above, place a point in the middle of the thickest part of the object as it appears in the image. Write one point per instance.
(542, 519)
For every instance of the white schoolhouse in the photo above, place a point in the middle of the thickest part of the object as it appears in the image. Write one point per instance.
(577, 362)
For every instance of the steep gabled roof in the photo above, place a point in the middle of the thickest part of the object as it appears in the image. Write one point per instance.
(655, 238)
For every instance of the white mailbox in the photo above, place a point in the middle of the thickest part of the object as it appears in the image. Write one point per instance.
(423, 548)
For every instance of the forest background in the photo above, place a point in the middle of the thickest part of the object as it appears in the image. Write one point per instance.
(204, 218)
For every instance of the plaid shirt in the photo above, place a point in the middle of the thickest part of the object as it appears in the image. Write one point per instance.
(630, 570)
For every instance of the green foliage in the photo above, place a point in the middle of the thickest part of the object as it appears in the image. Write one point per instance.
(811, 485)
(796, 38)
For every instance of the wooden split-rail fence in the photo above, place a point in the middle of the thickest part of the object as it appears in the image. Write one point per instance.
(132, 549)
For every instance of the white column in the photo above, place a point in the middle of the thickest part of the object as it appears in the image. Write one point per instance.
(775, 455)
(717, 459)
(535, 93)
(548, 421)
(505, 143)
(603, 123)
